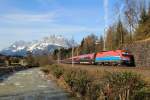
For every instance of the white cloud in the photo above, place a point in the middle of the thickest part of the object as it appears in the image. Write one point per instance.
(28, 17)
(53, 29)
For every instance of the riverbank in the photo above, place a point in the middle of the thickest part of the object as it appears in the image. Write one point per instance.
(99, 84)
(10, 69)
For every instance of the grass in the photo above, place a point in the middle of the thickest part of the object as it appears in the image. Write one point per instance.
(98, 83)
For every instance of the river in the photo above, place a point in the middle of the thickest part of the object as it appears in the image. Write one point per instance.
(30, 85)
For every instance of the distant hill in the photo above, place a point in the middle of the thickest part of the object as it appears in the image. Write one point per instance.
(38, 47)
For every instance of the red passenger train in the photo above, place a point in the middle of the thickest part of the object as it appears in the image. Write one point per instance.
(114, 57)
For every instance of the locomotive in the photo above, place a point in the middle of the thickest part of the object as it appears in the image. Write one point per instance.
(114, 57)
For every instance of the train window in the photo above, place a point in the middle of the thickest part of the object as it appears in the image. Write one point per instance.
(125, 53)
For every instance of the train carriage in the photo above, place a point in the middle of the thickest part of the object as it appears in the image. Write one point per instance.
(87, 58)
(114, 57)
(74, 60)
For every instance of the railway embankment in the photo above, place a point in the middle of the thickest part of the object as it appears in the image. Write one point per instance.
(100, 83)
(141, 52)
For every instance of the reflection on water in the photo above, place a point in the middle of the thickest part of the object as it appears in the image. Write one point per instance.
(30, 85)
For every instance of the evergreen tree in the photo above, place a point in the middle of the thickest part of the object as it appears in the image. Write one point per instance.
(101, 43)
(143, 29)
(121, 34)
(110, 37)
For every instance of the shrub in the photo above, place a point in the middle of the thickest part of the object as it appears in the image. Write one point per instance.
(46, 71)
(57, 71)
(69, 77)
(122, 85)
(95, 90)
(143, 94)
(78, 80)
(111, 86)
(82, 80)
(45, 68)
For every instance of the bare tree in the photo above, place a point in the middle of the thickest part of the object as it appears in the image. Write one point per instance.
(132, 13)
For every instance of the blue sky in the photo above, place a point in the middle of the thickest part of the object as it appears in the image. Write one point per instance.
(33, 19)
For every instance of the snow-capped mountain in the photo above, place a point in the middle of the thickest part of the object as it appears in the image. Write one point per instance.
(45, 45)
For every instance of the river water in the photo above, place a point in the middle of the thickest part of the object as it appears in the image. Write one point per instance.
(30, 85)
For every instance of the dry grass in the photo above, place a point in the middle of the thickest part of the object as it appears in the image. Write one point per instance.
(99, 71)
